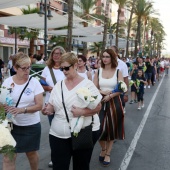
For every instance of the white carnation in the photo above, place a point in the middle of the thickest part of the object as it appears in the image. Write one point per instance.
(6, 137)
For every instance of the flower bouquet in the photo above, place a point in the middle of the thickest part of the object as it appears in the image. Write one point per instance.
(137, 84)
(7, 142)
(85, 100)
(131, 82)
(120, 87)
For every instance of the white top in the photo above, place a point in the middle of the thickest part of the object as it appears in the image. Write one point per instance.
(60, 127)
(39, 62)
(34, 88)
(107, 84)
(122, 67)
(46, 74)
(84, 75)
(162, 64)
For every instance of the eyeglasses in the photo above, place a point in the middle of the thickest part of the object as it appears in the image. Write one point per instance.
(65, 68)
(25, 68)
(106, 56)
(57, 53)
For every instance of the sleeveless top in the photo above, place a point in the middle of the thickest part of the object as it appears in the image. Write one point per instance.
(84, 75)
(107, 84)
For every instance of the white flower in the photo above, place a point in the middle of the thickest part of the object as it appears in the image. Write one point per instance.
(123, 86)
(6, 137)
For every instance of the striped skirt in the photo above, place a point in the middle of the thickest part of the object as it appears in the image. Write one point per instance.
(112, 120)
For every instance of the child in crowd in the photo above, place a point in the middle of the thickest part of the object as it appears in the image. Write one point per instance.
(133, 75)
(139, 84)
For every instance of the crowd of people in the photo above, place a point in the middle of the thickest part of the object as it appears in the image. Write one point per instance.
(64, 74)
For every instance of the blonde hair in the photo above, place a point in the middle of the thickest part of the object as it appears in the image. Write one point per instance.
(69, 57)
(20, 59)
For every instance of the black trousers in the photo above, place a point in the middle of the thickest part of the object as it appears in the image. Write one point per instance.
(140, 96)
(61, 153)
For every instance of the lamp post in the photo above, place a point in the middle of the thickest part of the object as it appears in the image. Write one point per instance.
(43, 11)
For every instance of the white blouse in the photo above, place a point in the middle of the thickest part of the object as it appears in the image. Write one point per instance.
(60, 127)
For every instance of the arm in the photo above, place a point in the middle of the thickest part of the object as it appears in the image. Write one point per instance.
(48, 109)
(89, 75)
(30, 109)
(85, 111)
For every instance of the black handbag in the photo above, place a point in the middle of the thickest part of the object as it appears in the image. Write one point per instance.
(84, 140)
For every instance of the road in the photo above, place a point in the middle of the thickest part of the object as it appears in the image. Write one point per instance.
(146, 145)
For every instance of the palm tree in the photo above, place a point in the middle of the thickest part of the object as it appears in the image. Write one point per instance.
(96, 48)
(106, 21)
(121, 4)
(70, 24)
(142, 9)
(130, 6)
(87, 7)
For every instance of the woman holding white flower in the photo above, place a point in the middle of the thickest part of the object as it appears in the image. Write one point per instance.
(26, 123)
(60, 132)
(111, 115)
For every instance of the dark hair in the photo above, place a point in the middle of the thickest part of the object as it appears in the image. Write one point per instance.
(135, 63)
(113, 56)
(82, 57)
(39, 57)
(116, 48)
(142, 72)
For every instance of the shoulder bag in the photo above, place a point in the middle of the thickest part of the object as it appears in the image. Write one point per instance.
(84, 139)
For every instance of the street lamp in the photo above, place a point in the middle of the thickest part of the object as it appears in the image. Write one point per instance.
(45, 10)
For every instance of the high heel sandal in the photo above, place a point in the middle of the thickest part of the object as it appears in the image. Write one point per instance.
(101, 158)
(106, 163)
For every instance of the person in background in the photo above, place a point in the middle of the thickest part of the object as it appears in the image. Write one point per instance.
(157, 67)
(81, 69)
(9, 65)
(39, 60)
(53, 64)
(60, 132)
(140, 88)
(1, 67)
(124, 70)
(167, 64)
(148, 72)
(111, 115)
(133, 74)
(162, 66)
(26, 125)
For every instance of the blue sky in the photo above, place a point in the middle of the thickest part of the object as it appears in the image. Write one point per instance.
(163, 7)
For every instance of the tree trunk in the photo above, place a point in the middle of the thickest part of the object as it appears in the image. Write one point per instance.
(31, 46)
(105, 25)
(117, 27)
(128, 31)
(70, 25)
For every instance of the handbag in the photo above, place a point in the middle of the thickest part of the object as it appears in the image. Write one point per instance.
(84, 140)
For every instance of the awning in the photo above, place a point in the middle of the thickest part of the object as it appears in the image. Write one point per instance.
(80, 31)
(99, 38)
(35, 21)
(15, 3)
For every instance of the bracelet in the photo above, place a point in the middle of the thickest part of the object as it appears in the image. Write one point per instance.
(25, 111)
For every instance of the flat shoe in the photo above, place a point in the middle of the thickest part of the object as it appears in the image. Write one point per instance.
(106, 163)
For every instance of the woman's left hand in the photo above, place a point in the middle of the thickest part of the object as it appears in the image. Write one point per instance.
(13, 110)
(106, 98)
(77, 111)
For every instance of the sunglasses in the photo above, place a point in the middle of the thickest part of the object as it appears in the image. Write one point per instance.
(65, 68)
(25, 68)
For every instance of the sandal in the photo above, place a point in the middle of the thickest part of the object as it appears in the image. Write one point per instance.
(101, 158)
(106, 163)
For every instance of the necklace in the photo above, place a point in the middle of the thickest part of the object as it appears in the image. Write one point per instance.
(56, 67)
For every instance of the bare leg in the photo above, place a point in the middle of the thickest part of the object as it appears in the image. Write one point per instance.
(33, 159)
(108, 148)
(103, 146)
(9, 164)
